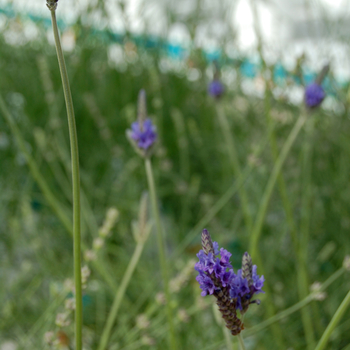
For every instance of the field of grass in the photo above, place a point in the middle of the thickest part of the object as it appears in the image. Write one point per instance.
(260, 174)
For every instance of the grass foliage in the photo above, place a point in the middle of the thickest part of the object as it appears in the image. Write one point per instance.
(196, 189)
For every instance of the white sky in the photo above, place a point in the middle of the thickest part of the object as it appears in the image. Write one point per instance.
(275, 15)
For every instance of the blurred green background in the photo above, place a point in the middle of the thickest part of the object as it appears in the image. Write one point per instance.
(197, 184)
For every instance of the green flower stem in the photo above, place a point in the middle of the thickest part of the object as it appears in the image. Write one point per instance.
(228, 339)
(120, 294)
(233, 157)
(303, 279)
(240, 340)
(161, 252)
(227, 334)
(76, 186)
(334, 321)
(271, 183)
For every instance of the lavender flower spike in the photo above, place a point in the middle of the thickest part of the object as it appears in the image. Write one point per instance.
(314, 95)
(143, 133)
(51, 4)
(216, 88)
(232, 292)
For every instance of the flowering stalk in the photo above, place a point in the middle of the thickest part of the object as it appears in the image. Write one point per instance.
(161, 251)
(52, 5)
(314, 95)
(141, 234)
(241, 342)
(232, 291)
(334, 321)
(143, 136)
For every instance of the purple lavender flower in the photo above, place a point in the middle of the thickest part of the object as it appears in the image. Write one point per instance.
(144, 133)
(227, 278)
(219, 270)
(216, 248)
(216, 277)
(258, 282)
(206, 283)
(225, 258)
(216, 88)
(314, 95)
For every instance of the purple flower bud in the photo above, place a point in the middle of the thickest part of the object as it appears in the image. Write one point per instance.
(206, 284)
(144, 133)
(227, 278)
(207, 242)
(314, 95)
(258, 282)
(216, 248)
(219, 270)
(216, 88)
(225, 258)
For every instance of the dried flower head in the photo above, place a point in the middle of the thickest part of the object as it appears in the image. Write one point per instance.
(316, 289)
(49, 337)
(52, 4)
(142, 321)
(232, 291)
(112, 217)
(346, 263)
(183, 315)
(69, 304)
(62, 319)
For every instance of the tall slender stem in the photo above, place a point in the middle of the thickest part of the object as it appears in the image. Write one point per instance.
(241, 342)
(76, 186)
(161, 251)
(303, 279)
(228, 339)
(119, 295)
(334, 321)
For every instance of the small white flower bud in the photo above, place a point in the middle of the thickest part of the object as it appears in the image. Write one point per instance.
(316, 289)
(62, 320)
(183, 316)
(346, 263)
(98, 243)
(160, 298)
(49, 337)
(142, 321)
(69, 304)
(90, 255)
